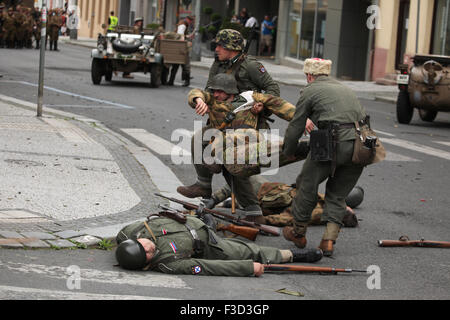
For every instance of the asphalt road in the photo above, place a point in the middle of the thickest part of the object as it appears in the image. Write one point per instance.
(405, 195)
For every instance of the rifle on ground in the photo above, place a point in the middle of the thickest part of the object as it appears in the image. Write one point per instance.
(287, 267)
(262, 228)
(246, 232)
(404, 241)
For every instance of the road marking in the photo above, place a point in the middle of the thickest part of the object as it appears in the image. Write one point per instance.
(78, 106)
(20, 293)
(445, 143)
(384, 133)
(417, 147)
(158, 144)
(69, 131)
(72, 94)
(139, 278)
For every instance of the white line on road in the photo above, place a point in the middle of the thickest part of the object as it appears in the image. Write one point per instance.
(20, 293)
(142, 279)
(445, 143)
(72, 94)
(158, 144)
(417, 147)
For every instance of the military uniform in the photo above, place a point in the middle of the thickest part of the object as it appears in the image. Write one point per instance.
(20, 20)
(54, 24)
(178, 252)
(244, 119)
(325, 100)
(9, 29)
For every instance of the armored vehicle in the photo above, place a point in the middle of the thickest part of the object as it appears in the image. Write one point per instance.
(424, 87)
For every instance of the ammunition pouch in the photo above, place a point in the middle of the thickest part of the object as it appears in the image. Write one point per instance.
(321, 144)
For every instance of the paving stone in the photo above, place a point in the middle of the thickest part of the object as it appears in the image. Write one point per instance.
(39, 235)
(61, 243)
(10, 243)
(34, 243)
(87, 240)
(10, 234)
(67, 234)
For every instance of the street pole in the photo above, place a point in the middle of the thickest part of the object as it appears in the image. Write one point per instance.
(196, 43)
(42, 58)
(417, 26)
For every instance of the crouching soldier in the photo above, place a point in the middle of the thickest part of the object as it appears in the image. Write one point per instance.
(191, 247)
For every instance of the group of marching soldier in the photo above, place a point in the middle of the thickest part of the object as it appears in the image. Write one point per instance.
(19, 25)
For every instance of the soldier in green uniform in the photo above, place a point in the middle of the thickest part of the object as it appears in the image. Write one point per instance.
(324, 101)
(224, 99)
(169, 246)
(37, 25)
(249, 75)
(9, 29)
(19, 19)
(54, 23)
(2, 18)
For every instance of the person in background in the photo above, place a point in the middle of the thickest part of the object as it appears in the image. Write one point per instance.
(266, 35)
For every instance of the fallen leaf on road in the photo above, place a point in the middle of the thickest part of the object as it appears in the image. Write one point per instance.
(292, 293)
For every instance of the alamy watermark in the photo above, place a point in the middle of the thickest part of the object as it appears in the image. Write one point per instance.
(234, 147)
(374, 21)
(374, 280)
(74, 280)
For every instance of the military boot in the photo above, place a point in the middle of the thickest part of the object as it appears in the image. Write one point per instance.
(306, 255)
(55, 46)
(37, 44)
(194, 191)
(296, 234)
(329, 239)
(51, 45)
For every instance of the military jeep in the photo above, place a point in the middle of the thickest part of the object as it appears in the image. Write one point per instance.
(125, 51)
(424, 87)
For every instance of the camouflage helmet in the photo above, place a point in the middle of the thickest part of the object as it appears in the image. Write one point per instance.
(225, 82)
(130, 254)
(230, 39)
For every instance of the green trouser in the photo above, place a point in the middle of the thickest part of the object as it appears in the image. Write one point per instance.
(244, 191)
(337, 187)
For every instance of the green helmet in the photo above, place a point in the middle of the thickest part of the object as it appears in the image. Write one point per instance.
(225, 82)
(130, 254)
(230, 39)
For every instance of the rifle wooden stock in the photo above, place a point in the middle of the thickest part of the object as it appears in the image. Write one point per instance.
(275, 231)
(246, 232)
(413, 243)
(287, 267)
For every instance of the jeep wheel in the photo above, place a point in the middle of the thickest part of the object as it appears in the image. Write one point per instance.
(404, 109)
(155, 75)
(427, 115)
(96, 71)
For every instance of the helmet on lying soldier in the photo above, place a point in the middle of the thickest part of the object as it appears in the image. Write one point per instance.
(130, 254)
(225, 82)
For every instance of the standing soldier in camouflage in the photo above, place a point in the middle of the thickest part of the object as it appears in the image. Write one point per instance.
(218, 104)
(249, 75)
(191, 247)
(9, 29)
(28, 27)
(327, 103)
(20, 19)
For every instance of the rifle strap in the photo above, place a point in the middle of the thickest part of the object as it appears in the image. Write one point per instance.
(150, 230)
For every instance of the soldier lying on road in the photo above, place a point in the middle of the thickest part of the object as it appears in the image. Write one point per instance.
(170, 246)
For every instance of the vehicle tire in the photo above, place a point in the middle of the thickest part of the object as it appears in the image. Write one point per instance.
(427, 115)
(404, 109)
(97, 69)
(155, 75)
(124, 47)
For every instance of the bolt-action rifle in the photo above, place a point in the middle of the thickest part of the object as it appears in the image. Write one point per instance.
(246, 232)
(405, 242)
(262, 228)
(287, 267)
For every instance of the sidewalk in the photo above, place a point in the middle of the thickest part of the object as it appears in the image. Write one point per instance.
(283, 74)
(68, 181)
